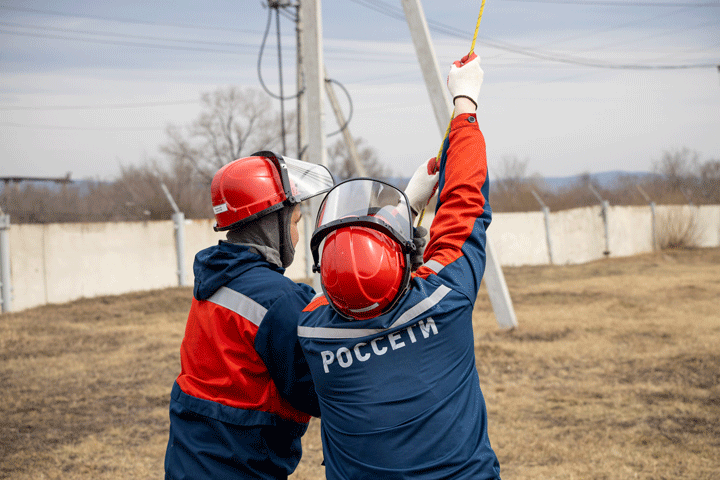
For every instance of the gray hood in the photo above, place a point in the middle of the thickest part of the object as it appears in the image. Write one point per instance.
(268, 236)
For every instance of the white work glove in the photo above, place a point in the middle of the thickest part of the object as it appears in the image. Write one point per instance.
(465, 78)
(422, 185)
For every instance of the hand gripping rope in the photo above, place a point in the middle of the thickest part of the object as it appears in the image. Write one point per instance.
(447, 132)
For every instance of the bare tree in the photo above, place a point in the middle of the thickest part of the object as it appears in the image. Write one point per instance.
(511, 191)
(710, 180)
(342, 166)
(234, 122)
(677, 167)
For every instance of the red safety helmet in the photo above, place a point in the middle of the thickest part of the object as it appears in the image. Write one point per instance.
(362, 246)
(251, 187)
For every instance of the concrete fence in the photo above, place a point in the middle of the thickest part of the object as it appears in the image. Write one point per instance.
(56, 263)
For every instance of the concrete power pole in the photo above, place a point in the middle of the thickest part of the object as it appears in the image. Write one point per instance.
(301, 104)
(302, 136)
(428, 62)
(314, 70)
(314, 73)
(494, 278)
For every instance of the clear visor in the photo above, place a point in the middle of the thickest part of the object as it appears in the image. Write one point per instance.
(364, 197)
(307, 179)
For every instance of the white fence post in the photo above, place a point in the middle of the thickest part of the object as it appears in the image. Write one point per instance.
(652, 213)
(179, 225)
(546, 213)
(605, 205)
(5, 284)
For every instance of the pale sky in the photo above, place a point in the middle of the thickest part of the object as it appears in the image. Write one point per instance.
(572, 87)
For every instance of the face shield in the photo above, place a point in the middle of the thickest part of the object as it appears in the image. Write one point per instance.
(368, 203)
(300, 180)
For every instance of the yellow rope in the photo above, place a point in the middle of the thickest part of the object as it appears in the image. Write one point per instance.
(447, 132)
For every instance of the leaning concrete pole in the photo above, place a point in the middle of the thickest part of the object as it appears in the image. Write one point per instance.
(313, 67)
(349, 140)
(434, 82)
(494, 278)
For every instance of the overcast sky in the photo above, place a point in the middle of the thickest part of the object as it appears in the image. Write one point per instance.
(570, 86)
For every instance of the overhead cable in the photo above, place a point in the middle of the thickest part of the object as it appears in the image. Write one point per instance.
(396, 13)
(100, 106)
(123, 44)
(280, 97)
(350, 113)
(66, 127)
(624, 4)
(126, 20)
(125, 35)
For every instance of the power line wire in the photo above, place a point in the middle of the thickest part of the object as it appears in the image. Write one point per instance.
(595, 32)
(393, 12)
(125, 35)
(259, 61)
(168, 39)
(127, 20)
(123, 44)
(652, 35)
(66, 127)
(100, 107)
(624, 4)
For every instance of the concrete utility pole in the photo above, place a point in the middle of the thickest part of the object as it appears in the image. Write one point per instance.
(434, 81)
(300, 106)
(349, 140)
(302, 133)
(313, 67)
(494, 278)
(314, 70)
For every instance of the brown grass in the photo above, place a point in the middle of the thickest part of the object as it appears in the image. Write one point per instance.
(614, 373)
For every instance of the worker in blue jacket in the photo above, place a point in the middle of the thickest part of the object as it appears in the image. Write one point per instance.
(244, 395)
(391, 352)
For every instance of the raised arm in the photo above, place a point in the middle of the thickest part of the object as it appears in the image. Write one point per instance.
(456, 249)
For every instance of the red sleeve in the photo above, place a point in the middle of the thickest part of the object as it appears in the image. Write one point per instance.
(463, 172)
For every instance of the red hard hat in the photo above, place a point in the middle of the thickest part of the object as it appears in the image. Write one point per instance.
(362, 271)
(251, 187)
(245, 188)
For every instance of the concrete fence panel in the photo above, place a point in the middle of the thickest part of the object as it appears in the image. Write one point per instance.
(106, 257)
(709, 222)
(27, 266)
(519, 238)
(578, 235)
(199, 234)
(57, 263)
(630, 230)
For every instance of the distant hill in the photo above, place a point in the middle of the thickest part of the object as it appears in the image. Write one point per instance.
(606, 180)
(83, 186)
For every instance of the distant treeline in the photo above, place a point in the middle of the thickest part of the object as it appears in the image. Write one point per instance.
(138, 195)
(236, 122)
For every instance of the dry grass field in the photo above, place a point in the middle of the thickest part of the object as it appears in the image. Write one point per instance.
(613, 373)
